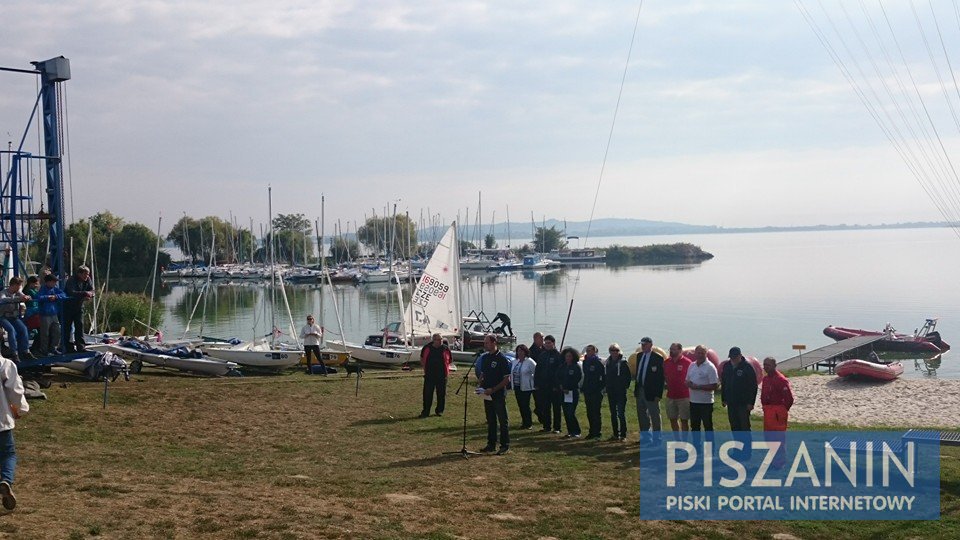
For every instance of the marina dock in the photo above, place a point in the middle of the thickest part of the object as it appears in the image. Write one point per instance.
(830, 354)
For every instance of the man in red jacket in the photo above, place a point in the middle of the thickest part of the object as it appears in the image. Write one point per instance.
(776, 396)
(435, 357)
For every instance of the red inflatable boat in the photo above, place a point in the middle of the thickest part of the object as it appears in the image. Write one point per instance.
(872, 370)
(925, 340)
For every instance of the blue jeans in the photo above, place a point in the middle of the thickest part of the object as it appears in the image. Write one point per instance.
(17, 335)
(8, 456)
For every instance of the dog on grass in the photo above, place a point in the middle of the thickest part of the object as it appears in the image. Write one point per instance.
(352, 367)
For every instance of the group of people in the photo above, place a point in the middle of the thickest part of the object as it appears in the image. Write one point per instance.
(30, 314)
(555, 380)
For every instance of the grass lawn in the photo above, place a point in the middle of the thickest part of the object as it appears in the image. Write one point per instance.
(294, 456)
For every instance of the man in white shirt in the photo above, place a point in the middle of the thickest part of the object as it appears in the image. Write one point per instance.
(702, 379)
(311, 334)
(12, 405)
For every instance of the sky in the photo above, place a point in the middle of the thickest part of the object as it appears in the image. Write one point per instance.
(731, 114)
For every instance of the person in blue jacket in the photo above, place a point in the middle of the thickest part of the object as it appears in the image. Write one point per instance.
(49, 299)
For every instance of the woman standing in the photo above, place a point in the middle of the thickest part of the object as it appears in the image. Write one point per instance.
(593, 386)
(521, 378)
(569, 376)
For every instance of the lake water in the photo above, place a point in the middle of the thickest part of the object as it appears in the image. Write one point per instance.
(763, 292)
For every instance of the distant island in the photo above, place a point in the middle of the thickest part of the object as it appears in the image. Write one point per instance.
(679, 253)
(519, 232)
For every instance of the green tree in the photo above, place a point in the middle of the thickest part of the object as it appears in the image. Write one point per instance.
(489, 241)
(377, 232)
(132, 254)
(195, 236)
(548, 239)
(342, 250)
(465, 245)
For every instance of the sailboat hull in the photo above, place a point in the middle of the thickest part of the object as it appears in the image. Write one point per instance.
(378, 355)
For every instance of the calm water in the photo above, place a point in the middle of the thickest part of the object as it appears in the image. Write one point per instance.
(762, 292)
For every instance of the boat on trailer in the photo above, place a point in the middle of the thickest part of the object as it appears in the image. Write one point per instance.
(139, 353)
(258, 355)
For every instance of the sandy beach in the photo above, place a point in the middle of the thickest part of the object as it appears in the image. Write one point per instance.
(900, 403)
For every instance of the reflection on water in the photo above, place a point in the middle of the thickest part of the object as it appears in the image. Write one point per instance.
(762, 292)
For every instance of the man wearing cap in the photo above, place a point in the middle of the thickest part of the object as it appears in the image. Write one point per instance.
(648, 391)
(738, 390)
(617, 380)
(78, 289)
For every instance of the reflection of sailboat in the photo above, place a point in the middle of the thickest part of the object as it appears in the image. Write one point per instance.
(434, 308)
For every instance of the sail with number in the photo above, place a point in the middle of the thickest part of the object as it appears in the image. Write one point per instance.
(435, 306)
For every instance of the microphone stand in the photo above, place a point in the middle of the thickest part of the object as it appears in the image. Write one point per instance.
(466, 396)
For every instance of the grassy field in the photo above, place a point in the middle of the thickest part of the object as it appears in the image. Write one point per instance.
(294, 456)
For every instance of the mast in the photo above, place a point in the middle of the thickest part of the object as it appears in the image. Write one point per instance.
(273, 270)
(458, 309)
(410, 279)
(153, 286)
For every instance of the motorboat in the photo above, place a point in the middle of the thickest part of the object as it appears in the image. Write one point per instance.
(579, 256)
(871, 370)
(924, 340)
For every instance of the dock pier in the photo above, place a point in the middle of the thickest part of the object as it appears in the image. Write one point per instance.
(830, 355)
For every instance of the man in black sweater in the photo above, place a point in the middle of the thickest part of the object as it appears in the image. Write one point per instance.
(617, 379)
(593, 387)
(548, 391)
(738, 390)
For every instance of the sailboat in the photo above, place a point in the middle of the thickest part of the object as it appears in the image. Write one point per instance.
(260, 354)
(434, 308)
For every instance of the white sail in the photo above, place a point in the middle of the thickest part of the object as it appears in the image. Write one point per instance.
(436, 302)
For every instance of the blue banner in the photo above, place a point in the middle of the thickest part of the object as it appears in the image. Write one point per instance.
(778, 475)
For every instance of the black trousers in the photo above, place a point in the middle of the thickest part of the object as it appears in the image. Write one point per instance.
(701, 413)
(739, 416)
(496, 411)
(594, 402)
(618, 413)
(314, 350)
(537, 405)
(523, 403)
(570, 413)
(549, 402)
(433, 385)
(73, 318)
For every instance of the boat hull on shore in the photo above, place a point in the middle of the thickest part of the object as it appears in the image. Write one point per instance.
(380, 356)
(871, 370)
(194, 365)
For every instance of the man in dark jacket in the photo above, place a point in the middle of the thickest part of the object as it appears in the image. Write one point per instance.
(548, 391)
(617, 379)
(593, 386)
(535, 351)
(648, 391)
(435, 358)
(738, 390)
(494, 378)
(78, 289)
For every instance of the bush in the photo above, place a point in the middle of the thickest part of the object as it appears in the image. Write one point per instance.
(118, 310)
(680, 253)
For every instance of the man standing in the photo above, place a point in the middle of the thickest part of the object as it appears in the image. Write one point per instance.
(311, 334)
(494, 378)
(738, 390)
(593, 385)
(12, 405)
(649, 391)
(545, 377)
(435, 358)
(776, 396)
(535, 350)
(78, 289)
(702, 380)
(617, 379)
(678, 395)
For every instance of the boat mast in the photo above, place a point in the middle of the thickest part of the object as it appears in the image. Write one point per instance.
(410, 278)
(273, 270)
(153, 285)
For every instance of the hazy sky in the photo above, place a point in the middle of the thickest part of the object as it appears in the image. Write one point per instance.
(732, 113)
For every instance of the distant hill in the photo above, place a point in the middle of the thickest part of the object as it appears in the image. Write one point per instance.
(520, 232)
